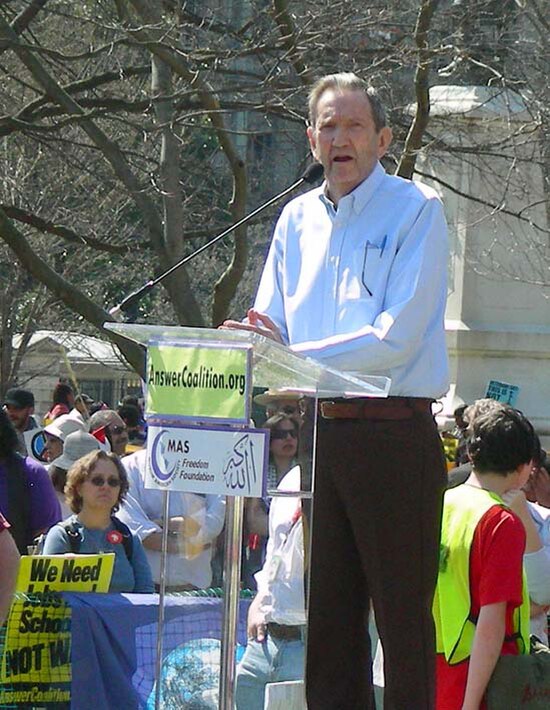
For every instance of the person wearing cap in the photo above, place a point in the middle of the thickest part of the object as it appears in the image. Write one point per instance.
(278, 403)
(19, 405)
(57, 432)
(77, 444)
(81, 409)
(27, 497)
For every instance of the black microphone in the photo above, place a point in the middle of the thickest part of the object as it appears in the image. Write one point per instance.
(310, 175)
(313, 173)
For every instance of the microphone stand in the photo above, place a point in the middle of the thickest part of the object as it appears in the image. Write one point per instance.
(310, 175)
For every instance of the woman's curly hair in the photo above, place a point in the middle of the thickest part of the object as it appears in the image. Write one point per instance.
(83, 469)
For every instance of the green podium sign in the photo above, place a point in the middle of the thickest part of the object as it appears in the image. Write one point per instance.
(206, 382)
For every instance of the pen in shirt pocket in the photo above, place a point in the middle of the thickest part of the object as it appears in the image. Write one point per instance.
(384, 242)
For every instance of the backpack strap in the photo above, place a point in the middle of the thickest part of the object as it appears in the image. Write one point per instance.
(73, 535)
(127, 537)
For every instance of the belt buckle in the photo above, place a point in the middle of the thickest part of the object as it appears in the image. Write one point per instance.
(326, 416)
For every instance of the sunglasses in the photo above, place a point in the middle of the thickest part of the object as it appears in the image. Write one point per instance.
(117, 429)
(112, 481)
(284, 434)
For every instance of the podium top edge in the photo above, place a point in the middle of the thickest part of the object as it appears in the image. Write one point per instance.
(303, 374)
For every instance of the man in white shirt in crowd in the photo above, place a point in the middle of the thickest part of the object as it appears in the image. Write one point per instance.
(194, 524)
(356, 278)
(276, 618)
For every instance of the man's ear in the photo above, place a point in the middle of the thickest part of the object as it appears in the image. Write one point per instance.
(385, 136)
(312, 141)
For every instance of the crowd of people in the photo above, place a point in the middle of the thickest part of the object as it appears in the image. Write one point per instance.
(92, 497)
(66, 498)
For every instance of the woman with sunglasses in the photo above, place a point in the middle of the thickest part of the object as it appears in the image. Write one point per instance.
(283, 445)
(96, 485)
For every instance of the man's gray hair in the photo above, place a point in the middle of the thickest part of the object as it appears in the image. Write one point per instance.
(480, 408)
(346, 81)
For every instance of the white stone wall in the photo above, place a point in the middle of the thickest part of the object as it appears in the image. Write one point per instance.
(498, 312)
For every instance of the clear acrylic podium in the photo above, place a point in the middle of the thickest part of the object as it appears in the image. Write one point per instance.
(277, 368)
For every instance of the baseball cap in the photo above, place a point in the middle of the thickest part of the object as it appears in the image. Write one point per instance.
(85, 398)
(63, 426)
(19, 398)
(77, 444)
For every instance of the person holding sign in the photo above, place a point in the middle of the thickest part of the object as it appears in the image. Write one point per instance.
(9, 564)
(356, 278)
(96, 486)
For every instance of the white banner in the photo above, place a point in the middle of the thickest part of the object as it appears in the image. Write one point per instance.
(35, 441)
(213, 460)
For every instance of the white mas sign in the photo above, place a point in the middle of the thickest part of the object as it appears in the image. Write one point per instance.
(210, 460)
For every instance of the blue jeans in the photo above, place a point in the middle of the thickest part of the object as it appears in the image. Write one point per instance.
(272, 661)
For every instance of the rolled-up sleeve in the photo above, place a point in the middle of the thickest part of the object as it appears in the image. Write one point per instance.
(537, 569)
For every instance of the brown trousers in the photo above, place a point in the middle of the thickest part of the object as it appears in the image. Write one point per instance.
(375, 536)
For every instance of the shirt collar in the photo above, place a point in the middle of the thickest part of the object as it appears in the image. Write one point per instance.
(362, 193)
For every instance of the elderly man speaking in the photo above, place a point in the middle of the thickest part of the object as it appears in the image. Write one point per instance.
(356, 278)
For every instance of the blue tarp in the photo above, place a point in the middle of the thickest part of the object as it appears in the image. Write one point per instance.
(114, 640)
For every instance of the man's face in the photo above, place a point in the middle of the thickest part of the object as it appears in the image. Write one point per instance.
(53, 447)
(118, 436)
(345, 140)
(19, 415)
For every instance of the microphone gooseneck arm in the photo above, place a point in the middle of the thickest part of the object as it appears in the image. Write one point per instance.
(313, 173)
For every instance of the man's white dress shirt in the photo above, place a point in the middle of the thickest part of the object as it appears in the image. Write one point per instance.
(143, 507)
(363, 288)
(281, 580)
(537, 569)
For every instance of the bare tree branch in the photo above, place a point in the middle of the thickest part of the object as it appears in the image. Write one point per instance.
(173, 58)
(112, 154)
(46, 226)
(413, 142)
(23, 20)
(493, 206)
(287, 30)
(66, 292)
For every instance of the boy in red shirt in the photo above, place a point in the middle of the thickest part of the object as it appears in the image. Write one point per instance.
(481, 609)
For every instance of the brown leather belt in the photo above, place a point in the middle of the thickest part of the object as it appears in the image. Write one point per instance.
(284, 633)
(392, 408)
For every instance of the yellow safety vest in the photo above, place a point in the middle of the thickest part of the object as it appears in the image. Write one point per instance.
(463, 508)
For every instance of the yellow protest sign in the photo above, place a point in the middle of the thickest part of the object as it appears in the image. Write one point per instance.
(38, 635)
(206, 382)
(65, 573)
(38, 641)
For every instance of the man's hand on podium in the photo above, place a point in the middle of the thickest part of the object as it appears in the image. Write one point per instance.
(257, 323)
